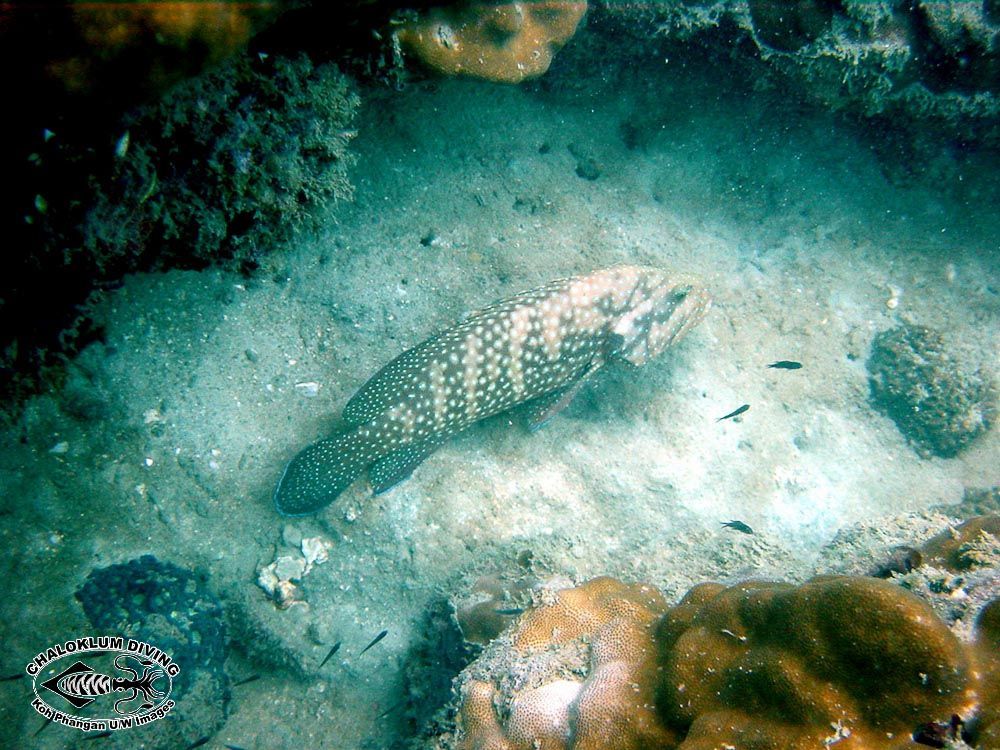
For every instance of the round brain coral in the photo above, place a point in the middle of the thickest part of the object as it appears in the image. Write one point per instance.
(576, 672)
(507, 42)
(856, 661)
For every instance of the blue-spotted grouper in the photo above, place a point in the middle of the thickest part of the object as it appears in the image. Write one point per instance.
(538, 347)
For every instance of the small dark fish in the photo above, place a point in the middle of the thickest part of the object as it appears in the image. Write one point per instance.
(198, 743)
(99, 736)
(786, 364)
(47, 722)
(377, 638)
(12, 677)
(232, 747)
(509, 612)
(335, 649)
(247, 680)
(389, 710)
(736, 413)
(738, 526)
(902, 559)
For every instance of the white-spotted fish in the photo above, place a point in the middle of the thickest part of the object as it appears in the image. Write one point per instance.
(539, 346)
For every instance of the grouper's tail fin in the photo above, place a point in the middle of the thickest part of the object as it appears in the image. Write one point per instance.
(313, 479)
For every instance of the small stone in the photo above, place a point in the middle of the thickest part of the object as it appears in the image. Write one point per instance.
(323, 631)
(309, 389)
(291, 535)
(267, 580)
(288, 568)
(287, 594)
(251, 356)
(588, 169)
(316, 550)
(902, 559)
(894, 294)
(60, 447)
(586, 166)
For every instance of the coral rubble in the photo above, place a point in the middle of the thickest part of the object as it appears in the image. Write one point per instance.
(958, 573)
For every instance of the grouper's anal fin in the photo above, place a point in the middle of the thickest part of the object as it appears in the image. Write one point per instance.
(397, 466)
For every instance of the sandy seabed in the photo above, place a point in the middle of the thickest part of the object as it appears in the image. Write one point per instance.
(169, 436)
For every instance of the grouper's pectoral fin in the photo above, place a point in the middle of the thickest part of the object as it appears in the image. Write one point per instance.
(393, 468)
(540, 410)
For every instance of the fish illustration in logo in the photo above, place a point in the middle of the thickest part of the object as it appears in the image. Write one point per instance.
(538, 347)
(80, 685)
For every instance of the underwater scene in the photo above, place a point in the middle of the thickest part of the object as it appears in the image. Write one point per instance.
(501, 375)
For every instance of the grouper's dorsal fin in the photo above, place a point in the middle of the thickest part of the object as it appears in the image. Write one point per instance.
(530, 298)
(383, 390)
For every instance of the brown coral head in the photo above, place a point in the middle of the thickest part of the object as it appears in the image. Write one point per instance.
(506, 42)
(577, 672)
(988, 663)
(153, 44)
(803, 665)
(970, 544)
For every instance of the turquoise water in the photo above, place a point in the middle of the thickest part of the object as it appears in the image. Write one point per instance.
(813, 224)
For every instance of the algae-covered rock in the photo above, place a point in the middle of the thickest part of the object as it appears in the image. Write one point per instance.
(172, 609)
(931, 61)
(968, 545)
(938, 401)
(227, 165)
